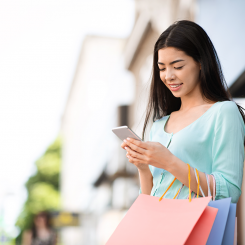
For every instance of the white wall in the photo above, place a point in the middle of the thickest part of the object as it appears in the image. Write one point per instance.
(224, 20)
(99, 87)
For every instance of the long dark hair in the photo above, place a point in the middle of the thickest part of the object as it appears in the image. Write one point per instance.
(189, 37)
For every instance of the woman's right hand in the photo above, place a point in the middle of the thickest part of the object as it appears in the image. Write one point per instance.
(140, 166)
(146, 179)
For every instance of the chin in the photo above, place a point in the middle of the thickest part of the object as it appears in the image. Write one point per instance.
(177, 94)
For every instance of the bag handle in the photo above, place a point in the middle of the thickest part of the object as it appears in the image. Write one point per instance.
(207, 178)
(178, 192)
(213, 187)
(197, 179)
(209, 192)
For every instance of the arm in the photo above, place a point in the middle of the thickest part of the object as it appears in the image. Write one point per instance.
(146, 180)
(228, 152)
(145, 175)
(26, 238)
(159, 156)
(55, 239)
(228, 155)
(179, 169)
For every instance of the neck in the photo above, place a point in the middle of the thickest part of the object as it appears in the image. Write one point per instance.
(185, 106)
(42, 228)
(193, 99)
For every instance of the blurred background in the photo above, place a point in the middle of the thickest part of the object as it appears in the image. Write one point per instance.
(70, 71)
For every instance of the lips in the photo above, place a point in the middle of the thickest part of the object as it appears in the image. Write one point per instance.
(175, 84)
(175, 88)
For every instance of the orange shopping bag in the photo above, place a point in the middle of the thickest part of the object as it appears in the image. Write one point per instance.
(170, 222)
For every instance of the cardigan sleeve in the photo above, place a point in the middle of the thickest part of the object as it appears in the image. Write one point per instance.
(228, 151)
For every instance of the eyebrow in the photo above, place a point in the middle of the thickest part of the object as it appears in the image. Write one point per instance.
(171, 63)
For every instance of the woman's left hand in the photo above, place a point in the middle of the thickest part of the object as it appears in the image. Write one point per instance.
(150, 153)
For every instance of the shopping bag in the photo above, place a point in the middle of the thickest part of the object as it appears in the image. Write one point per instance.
(170, 221)
(223, 229)
(218, 229)
(235, 235)
(229, 234)
(201, 230)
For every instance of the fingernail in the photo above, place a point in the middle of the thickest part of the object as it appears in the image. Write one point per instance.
(126, 147)
(128, 138)
(125, 141)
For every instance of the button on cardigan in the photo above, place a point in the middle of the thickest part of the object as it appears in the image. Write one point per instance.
(213, 144)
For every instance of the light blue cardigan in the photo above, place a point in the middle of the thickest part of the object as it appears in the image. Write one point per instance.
(213, 144)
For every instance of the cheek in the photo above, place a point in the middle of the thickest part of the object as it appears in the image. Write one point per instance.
(189, 75)
(162, 77)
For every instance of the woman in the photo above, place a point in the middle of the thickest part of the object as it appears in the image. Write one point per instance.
(194, 120)
(41, 232)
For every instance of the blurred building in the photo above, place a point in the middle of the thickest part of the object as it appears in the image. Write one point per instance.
(96, 181)
(152, 18)
(110, 88)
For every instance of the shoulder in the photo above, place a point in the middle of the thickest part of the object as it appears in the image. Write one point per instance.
(228, 109)
(27, 233)
(228, 113)
(228, 105)
(27, 237)
(159, 122)
(53, 234)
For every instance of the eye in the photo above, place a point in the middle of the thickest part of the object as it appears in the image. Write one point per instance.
(163, 69)
(178, 68)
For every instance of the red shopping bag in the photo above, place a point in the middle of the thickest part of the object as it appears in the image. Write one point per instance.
(170, 221)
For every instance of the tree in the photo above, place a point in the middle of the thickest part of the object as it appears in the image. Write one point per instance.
(43, 187)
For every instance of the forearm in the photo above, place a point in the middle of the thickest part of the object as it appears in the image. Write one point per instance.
(26, 238)
(146, 180)
(179, 169)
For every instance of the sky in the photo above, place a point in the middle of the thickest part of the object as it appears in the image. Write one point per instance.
(40, 43)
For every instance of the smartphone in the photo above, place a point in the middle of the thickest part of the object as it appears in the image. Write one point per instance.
(124, 132)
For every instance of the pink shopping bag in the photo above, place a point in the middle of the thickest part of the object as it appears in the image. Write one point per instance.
(171, 222)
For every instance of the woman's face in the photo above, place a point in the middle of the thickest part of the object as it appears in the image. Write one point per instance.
(178, 69)
(40, 221)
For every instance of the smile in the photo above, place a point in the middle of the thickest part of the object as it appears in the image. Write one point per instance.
(175, 87)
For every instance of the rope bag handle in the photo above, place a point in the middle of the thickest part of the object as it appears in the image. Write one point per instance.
(178, 192)
(207, 178)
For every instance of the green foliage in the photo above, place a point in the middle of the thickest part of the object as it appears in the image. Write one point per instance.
(43, 187)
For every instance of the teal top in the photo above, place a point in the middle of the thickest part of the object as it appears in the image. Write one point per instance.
(213, 144)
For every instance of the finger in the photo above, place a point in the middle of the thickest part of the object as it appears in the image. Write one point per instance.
(131, 159)
(138, 143)
(134, 160)
(135, 154)
(123, 145)
(135, 147)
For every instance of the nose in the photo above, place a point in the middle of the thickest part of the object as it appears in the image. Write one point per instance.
(169, 75)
